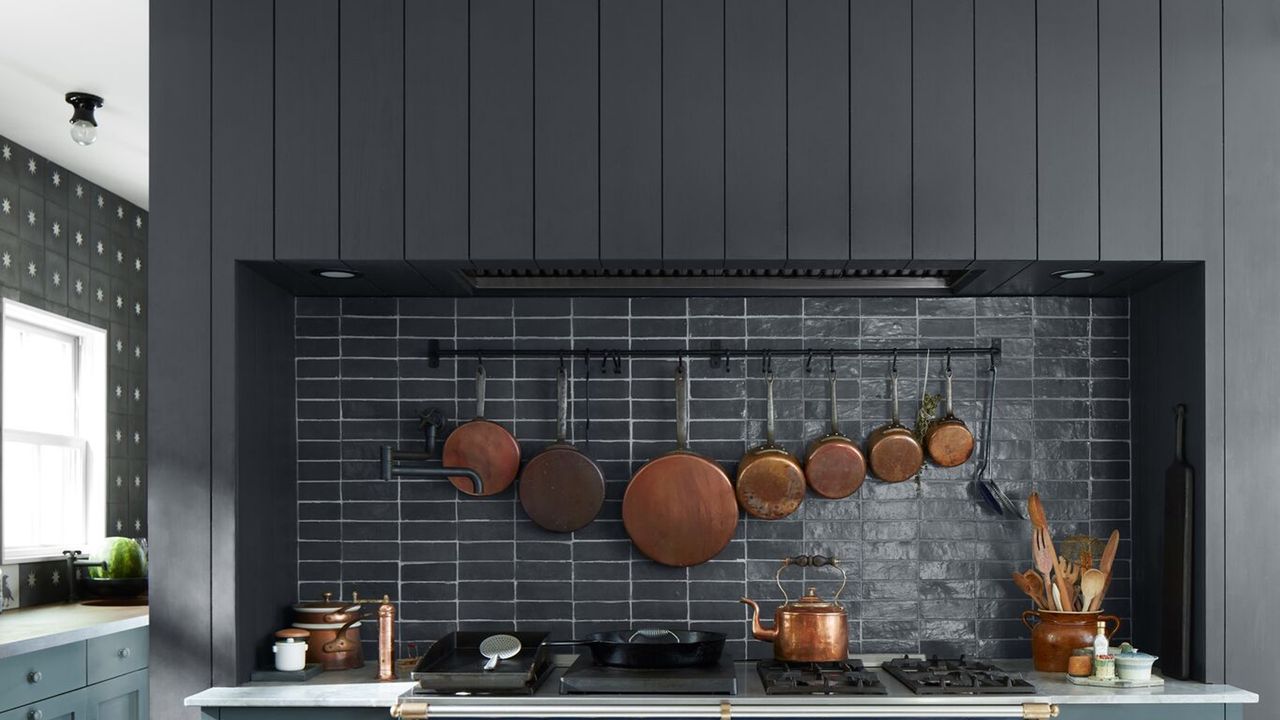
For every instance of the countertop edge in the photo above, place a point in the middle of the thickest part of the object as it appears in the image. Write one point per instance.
(65, 637)
(315, 697)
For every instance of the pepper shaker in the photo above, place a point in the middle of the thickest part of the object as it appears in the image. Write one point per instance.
(386, 639)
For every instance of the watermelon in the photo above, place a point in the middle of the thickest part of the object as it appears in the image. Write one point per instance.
(124, 558)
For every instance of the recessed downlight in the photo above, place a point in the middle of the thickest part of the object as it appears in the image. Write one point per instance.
(1076, 274)
(336, 273)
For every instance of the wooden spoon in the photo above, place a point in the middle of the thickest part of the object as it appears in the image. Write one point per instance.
(1108, 558)
(1036, 509)
(1037, 585)
(1091, 586)
(1043, 557)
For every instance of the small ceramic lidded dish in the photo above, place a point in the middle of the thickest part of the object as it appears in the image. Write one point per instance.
(1133, 665)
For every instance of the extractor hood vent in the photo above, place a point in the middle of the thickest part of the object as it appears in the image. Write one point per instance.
(810, 281)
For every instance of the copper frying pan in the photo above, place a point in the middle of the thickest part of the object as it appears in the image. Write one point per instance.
(561, 489)
(680, 509)
(949, 441)
(893, 452)
(483, 446)
(835, 466)
(770, 479)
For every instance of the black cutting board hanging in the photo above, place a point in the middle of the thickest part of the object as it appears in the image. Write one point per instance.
(1179, 518)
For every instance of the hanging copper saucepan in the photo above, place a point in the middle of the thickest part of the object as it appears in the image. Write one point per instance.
(561, 489)
(893, 451)
(949, 441)
(770, 480)
(483, 446)
(835, 466)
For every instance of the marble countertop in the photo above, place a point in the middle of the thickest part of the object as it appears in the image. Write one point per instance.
(357, 688)
(29, 629)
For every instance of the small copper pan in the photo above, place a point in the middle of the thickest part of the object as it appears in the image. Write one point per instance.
(770, 480)
(949, 441)
(561, 489)
(483, 446)
(892, 450)
(835, 466)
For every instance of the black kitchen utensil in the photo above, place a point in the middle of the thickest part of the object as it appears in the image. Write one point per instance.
(650, 648)
(1179, 517)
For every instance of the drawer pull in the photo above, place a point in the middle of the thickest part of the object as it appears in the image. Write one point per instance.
(34, 677)
(124, 653)
(35, 714)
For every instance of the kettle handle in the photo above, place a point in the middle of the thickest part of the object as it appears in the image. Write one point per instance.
(811, 561)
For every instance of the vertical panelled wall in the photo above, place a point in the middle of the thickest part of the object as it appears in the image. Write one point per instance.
(76, 249)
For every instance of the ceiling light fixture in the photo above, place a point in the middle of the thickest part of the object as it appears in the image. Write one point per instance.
(84, 129)
(1076, 274)
(336, 273)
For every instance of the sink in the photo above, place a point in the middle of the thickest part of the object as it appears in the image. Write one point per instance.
(116, 602)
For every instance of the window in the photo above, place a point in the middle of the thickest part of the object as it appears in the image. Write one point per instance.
(53, 461)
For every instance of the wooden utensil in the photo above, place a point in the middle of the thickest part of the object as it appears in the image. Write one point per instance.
(1071, 572)
(1108, 558)
(835, 466)
(770, 480)
(1043, 561)
(1179, 523)
(1091, 585)
(483, 446)
(1020, 580)
(893, 451)
(561, 489)
(948, 440)
(1057, 599)
(1037, 584)
(680, 508)
(1036, 510)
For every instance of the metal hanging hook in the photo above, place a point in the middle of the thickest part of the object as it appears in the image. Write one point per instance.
(680, 362)
(561, 362)
(479, 360)
(948, 361)
(617, 362)
(831, 362)
(894, 366)
(808, 362)
(726, 361)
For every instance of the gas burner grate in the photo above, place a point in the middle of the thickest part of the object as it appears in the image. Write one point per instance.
(959, 676)
(835, 678)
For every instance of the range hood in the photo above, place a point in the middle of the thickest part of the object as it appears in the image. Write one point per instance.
(655, 281)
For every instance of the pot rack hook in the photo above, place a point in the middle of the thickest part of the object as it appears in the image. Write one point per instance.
(617, 362)
(561, 361)
(479, 360)
(948, 361)
(766, 361)
(831, 361)
(893, 367)
(808, 362)
(726, 361)
(680, 362)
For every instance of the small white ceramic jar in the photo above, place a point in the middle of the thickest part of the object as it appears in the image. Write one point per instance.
(291, 649)
(1134, 665)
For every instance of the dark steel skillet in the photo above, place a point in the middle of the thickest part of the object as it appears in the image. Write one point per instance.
(650, 648)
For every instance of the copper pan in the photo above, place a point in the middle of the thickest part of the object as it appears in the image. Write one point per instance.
(893, 451)
(770, 480)
(561, 489)
(680, 509)
(949, 441)
(835, 466)
(483, 446)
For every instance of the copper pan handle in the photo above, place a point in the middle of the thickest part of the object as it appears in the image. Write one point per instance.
(811, 561)
(341, 643)
(682, 407)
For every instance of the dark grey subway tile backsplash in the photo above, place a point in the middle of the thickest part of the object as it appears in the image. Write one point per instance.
(928, 565)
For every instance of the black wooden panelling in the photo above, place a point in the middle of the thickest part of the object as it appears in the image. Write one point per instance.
(435, 108)
(942, 129)
(1005, 129)
(501, 119)
(693, 132)
(631, 132)
(755, 111)
(566, 139)
(1067, 107)
(306, 129)
(371, 129)
(242, 229)
(178, 403)
(932, 565)
(880, 129)
(818, 132)
(1252, 114)
(1128, 137)
(1191, 99)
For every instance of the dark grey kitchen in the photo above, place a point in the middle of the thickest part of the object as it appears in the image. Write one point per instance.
(638, 358)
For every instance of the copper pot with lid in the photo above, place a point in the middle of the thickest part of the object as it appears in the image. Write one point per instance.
(326, 611)
(809, 629)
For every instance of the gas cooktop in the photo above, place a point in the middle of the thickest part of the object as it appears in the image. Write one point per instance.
(828, 678)
(960, 676)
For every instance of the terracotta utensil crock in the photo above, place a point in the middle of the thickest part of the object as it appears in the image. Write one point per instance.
(1057, 634)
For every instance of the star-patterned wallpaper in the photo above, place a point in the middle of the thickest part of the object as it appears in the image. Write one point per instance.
(74, 248)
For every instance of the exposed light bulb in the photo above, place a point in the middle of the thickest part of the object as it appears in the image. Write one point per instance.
(83, 132)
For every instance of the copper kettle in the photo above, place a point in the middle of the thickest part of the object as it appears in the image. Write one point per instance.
(809, 629)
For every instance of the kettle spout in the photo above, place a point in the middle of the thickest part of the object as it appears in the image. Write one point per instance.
(759, 631)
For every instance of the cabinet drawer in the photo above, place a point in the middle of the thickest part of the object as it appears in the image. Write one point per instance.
(35, 676)
(67, 706)
(114, 655)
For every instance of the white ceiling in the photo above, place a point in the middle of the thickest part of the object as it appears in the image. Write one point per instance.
(51, 47)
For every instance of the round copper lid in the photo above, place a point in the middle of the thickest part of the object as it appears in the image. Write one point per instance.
(293, 634)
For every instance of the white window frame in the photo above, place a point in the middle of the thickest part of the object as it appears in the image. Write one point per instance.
(91, 425)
